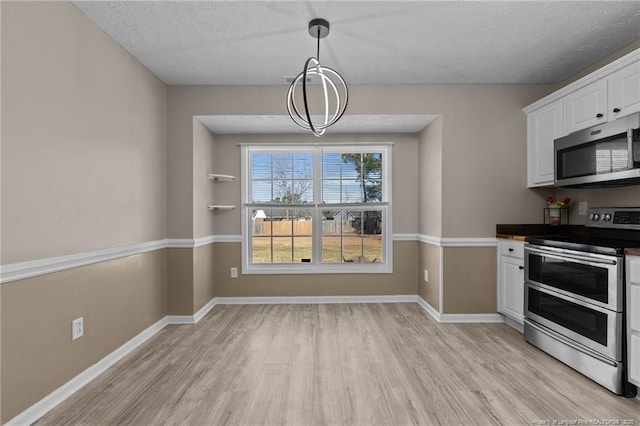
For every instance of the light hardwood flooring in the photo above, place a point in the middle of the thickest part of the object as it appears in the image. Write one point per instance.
(361, 364)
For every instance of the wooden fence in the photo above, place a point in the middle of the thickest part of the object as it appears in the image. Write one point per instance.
(300, 227)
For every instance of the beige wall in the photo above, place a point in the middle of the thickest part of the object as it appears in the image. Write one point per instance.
(84, 167)
(204, 266)
(117, 299)
(404, 166)
(469, 277)
(403, 280)
(430, 179)
(484, 145)
(628, 196)
(204, 189)
(180, 284)
(429, 259)
(83, 137)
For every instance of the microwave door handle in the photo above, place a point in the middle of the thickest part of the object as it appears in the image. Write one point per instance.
(630, 148)
(566, 256)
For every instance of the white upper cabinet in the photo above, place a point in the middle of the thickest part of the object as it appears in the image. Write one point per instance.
(586, 107)
(607, 94)
(624, 91)
(543, 126)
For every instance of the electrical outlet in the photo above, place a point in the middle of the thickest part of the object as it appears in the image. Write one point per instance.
(582, 208)
(426, 275)
(234, 272)
(77, 328)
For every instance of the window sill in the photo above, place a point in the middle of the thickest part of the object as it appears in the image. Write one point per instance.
(312, 269)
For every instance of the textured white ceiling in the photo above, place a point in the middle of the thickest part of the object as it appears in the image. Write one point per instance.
(389, 42)
(282, 124)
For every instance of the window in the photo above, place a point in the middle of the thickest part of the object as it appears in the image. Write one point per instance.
(314, 209)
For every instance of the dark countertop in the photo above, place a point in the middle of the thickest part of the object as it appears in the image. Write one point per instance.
(519, 232)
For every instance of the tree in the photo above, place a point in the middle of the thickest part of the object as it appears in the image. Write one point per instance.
(292, 191)
(369, 170)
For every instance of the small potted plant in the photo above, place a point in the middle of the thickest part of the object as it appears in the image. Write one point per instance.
(555, 207)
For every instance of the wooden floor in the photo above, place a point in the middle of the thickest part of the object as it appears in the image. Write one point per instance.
(359, 364)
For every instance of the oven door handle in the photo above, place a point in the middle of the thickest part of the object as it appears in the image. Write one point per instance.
(570, 343)
(595, 261)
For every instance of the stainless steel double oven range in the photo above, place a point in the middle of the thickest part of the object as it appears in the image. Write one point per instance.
(575, 296)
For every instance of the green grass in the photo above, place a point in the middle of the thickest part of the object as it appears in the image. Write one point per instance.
(332, 249)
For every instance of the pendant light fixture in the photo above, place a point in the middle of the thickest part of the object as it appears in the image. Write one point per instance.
(334, 89)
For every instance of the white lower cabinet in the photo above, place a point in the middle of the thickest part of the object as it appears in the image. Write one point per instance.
(633, 318)
(511, 280)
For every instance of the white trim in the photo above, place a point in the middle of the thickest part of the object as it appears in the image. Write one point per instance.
(440, 279)
(468, 242)
(428, 308)
(203, 241)
(405, 237)
(227, 238)
(429, 239)
(472, 318)
(614, 66)
(46, 404)
(458, 318)
(204, 310)
(180, 243)
(457, 242)
(195, 318)
(315, 300)
(33, 268)
(285, 146)
(314, 265)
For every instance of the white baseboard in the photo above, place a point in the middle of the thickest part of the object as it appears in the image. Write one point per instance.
(458, 318)
(472, 318)
(195, 318)
(40, 408)
(204, 310)
(49, 402)
(428, 308)
(400, 298)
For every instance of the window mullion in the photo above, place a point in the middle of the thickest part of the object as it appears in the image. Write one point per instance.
(316, 236)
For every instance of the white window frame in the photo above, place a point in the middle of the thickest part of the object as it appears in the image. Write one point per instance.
(317, 267)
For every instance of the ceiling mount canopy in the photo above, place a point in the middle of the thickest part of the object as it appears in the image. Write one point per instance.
(332, 103)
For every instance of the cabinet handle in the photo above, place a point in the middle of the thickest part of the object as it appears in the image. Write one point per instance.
(520, 267)
(510, 249)
(616, 110)
(599, 115)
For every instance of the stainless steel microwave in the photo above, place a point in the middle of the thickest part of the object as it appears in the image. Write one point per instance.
(600, 156)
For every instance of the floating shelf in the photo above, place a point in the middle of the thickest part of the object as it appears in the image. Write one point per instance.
(221, 178)
(220, 207)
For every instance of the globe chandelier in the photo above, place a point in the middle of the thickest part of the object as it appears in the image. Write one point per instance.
(334, 88)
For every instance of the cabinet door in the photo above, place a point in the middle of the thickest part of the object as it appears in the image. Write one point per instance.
(544, 125)
(624, 91)
(512, 288)
(586, 107)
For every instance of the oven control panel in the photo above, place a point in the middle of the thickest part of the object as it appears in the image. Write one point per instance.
(614, 217)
